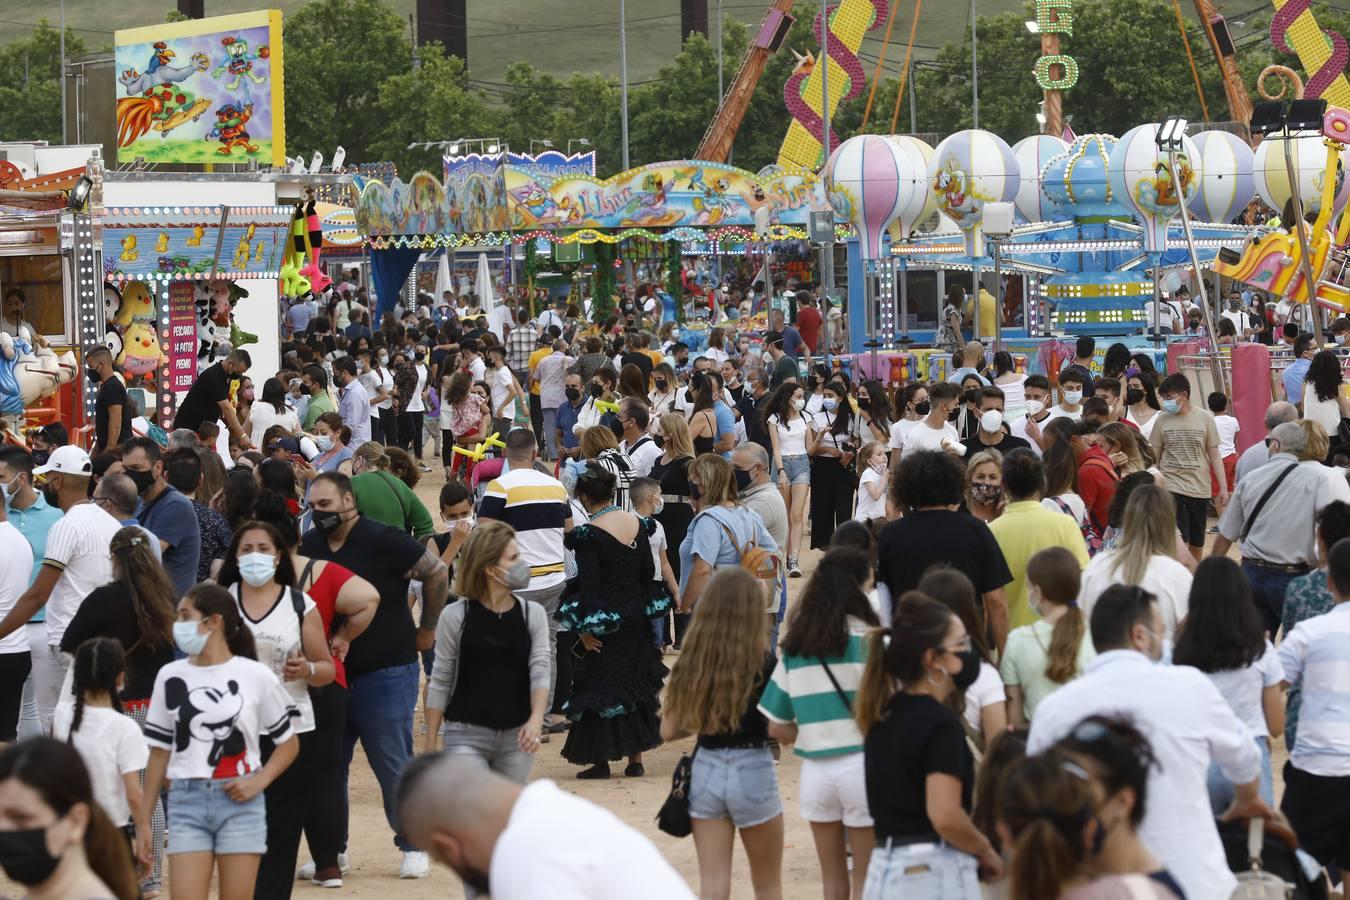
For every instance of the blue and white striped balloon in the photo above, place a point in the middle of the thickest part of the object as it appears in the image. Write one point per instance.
(1032, 155)
(1227, 182)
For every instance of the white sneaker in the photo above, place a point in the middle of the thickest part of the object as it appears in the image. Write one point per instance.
(307, 871)
(415, 865)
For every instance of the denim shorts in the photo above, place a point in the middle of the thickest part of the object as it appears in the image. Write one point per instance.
(203, 819)
(798, 469)
(740, 785)
(921, 872)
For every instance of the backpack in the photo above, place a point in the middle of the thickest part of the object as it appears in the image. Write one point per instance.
(754, 559)
(1091, 538)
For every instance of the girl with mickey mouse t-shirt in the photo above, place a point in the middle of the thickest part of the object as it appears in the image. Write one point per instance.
(208, 714)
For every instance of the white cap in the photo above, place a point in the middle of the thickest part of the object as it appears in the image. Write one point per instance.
(67, 460)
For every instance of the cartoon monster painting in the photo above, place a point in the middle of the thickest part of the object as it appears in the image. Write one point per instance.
(238, 62)
(230, 130)
(155, 98)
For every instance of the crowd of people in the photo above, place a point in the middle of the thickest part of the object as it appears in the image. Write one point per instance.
(1019, 655)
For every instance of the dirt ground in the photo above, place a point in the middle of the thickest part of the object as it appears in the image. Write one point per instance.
(634, 800)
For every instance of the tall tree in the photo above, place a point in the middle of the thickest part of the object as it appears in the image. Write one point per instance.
(30, 84)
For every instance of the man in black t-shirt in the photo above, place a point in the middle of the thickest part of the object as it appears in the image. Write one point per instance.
(112, 407)
(382, 668)
(993, 433)
(928, 486)
(209, 398)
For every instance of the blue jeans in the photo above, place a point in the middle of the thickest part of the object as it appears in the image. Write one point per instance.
(921, 872)
(1222, 792)
(1268, 594)
(380, 707)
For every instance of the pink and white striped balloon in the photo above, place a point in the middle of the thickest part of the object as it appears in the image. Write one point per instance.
(871, 181)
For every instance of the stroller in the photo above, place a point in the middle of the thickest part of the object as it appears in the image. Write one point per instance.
(1263, 855)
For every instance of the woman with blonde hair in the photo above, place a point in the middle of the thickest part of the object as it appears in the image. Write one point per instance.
(674, 512)
(714, 692)
(984, 485)
(599, 446)
(662, 396)
(385, 498)
(490, 680)
(1144, 556)
(1128, 453)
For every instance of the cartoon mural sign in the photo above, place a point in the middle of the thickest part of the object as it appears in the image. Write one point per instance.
(169, 243)
(475, 194)
(662, 195)
(202, 91)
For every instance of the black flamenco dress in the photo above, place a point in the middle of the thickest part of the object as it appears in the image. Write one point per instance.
(615, 691)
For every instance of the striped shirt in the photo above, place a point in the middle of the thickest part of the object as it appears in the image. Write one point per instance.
(536, 506)
(801, 692)
(1314, 657)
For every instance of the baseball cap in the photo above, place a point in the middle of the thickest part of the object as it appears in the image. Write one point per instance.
(67, 460)
(289, 444)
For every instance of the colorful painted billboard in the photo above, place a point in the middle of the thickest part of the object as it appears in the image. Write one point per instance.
(180, 242)
(202, 91)
(662, 195)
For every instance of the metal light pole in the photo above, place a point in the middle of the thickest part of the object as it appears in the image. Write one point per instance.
(63, 71)
(974, 71)
(913, 104)
(720, 90)
(623, 84)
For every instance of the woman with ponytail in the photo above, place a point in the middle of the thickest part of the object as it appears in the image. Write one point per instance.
(1058, 829)
(54, 839)
(1051, 652)
(136, 609)
(208, 715)
(108, 741)
(918, 767)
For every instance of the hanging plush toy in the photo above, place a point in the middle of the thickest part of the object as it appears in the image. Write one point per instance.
(141, 353)
(137, 305)
(238, 337)
(314, 245)
(294, 284)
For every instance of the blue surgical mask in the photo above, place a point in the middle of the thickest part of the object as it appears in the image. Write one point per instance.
(323, 442)
(257, 568)
(1171, 406)
(830, 404)
(188, 638)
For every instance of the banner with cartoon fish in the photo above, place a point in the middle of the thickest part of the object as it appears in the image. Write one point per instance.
(201, 91)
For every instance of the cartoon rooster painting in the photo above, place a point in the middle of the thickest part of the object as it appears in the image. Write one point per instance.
(155, 99)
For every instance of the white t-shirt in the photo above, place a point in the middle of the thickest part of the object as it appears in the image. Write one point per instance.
(924, 437)
(791, 437)
(643, 456)
(111, 746)
(986, 691)
(658, 542)
(18, 556)
(562, 847)
(900, 430)
(277, 636)
(1165, 578)
(210, 718)
(866, 507)
(1077, 508)
(1242, 689)
(1057, 412)
(478, 369)
(77, 544)
(384, 378)
(263, 416)
(500, 386)
(1145, 427)
(1228, 428)
(415, 403)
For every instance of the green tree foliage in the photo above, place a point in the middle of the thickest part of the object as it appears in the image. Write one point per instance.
(30, 84)
(429, 103)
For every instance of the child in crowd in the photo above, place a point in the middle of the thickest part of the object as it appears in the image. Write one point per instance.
(870, 501)
(109, 742)
(645, 495)
(1228, 427)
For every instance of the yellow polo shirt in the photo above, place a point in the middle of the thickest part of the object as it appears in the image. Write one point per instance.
(1024, 529)
(534, 361)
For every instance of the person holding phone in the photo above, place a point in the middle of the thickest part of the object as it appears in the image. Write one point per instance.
(290, 639)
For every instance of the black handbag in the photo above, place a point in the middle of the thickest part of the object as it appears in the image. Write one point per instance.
(673, 817)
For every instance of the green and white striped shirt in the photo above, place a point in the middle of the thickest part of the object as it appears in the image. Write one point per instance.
(801, 692)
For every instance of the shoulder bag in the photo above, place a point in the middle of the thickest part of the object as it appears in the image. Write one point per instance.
(673, 817)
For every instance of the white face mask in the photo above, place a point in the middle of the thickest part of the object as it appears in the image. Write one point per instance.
(1035, 407)
(991, 421)
(1072, 398)
(798, 403)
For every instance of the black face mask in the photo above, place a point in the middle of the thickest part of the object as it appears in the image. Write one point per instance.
(1134, 395)
(954, 414)
(743, 479)
(597, 389)
(92, 375)
(328, 521)
(923, 407)
(970, 669)
(659, 441)
(970, 396)
(660, 383)
(40, 457)
(142, 480)
(24, 856)
(573, 394)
